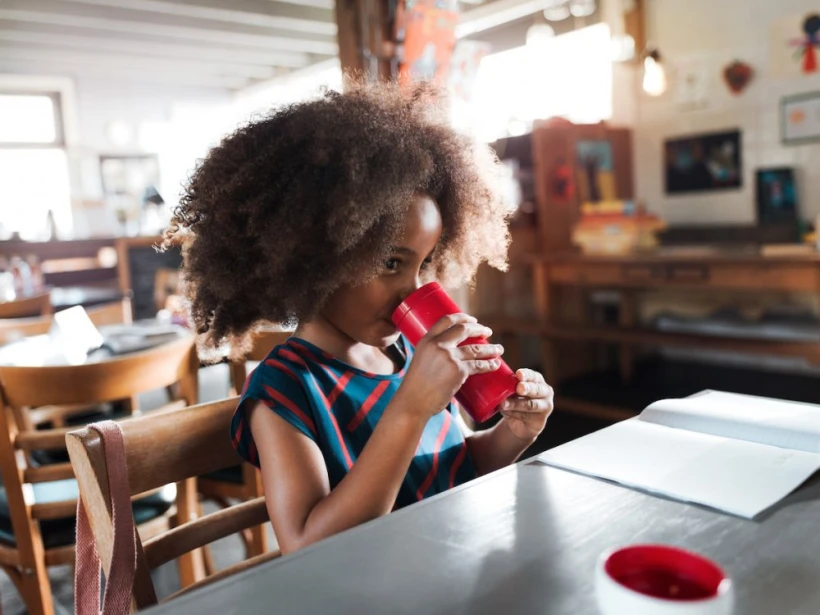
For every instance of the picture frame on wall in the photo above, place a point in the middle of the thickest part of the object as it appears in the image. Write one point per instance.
(800, 118)
(703, 162)
(776, 196)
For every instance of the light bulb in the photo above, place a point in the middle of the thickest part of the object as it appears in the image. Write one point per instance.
(559, 12)
(654, 75)
(582, 8)
(539, 35)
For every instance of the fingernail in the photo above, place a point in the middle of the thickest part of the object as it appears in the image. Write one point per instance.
(507, 404)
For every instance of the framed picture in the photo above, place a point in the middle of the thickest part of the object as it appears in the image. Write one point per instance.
(776, 195)
(703, 162)
(800, 118)
(129, 175)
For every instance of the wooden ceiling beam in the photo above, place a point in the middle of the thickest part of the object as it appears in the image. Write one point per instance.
(152, 48)
(253, 13)
(185, 33)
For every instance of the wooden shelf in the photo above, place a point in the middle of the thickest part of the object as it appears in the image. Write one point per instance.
(656, 378)
(648, 337)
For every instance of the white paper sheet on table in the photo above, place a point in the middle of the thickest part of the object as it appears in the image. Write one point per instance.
(670, 451)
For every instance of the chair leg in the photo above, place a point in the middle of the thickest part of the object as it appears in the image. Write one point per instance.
(258, 541)
(35, 590)
(191, 565)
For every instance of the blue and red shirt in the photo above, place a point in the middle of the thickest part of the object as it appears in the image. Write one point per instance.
(338, 406)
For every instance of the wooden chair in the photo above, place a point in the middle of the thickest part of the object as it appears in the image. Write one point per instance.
(14, 329)
(36, 527)
(27, 306)
(174, 446)
(243, 482)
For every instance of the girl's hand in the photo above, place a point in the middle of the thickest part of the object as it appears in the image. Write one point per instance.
(440, 366)
(527, 414)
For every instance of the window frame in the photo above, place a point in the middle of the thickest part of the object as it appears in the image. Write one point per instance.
(59, 129)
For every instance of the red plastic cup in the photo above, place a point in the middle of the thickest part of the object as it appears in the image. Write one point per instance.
(481, 394)
(655, 579)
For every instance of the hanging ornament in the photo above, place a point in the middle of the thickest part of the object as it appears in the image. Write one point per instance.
(559, 12)
(582, 8)
(737, 76)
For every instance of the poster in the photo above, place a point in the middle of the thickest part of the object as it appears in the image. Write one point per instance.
(428, 31)
(595, 173)
(795, 45)
(800, 118)
(703, 162)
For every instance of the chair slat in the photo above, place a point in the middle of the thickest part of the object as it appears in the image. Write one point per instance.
(44, 474)
(204, 530)
(54, 510)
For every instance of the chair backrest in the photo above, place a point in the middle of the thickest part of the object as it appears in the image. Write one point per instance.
(173, 446)
(114, 313)
(28, 306)
(263, 341)
(22, 388)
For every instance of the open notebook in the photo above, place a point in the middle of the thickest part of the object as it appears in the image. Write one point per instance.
(736, 453)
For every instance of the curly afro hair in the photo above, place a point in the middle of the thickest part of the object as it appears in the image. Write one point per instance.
(312, 196)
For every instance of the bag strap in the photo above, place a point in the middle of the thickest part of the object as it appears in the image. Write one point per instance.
(120, 582)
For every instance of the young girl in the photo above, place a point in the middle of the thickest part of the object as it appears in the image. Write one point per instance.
(327, 214)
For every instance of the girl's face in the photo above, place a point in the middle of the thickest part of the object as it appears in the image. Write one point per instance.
(363, 312)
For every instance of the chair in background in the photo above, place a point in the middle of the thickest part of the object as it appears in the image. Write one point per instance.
(36, 305)
(14, 329)
(193, 442)
(38, 502)
(243, 482)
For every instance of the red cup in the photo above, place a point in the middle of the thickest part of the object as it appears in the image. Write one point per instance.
(481, 394)
(654, 579)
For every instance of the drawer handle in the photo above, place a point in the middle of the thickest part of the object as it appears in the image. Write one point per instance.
(689, 273)
(641, 272)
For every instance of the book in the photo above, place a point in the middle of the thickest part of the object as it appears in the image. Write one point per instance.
(739, 454)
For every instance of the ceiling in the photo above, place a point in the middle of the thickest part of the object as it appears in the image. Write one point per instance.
(224, 44)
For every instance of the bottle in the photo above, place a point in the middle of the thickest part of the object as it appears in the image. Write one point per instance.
(37, 279)
(480, 395)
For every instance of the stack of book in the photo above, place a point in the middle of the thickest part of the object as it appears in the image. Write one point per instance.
(616, 227)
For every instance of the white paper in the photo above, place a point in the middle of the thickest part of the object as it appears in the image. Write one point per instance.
(764, 420)
(735, 476)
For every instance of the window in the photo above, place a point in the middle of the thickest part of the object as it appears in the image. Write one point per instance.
(33, 165)
(568, 76)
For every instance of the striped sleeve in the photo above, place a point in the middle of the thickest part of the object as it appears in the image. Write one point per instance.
(276, 385)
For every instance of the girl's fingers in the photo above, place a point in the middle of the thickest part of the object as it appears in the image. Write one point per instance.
(480, 351)
(482, 366)
(526, 405)
(528, 375)
(448, 322)
(461, 331)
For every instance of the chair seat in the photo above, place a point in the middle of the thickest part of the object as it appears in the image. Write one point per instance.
(60, 532)
(231, 475)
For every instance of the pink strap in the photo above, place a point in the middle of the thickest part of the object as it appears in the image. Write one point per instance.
(120, 583)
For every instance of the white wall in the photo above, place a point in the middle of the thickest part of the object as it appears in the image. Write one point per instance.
(177, 124)
(711, 34)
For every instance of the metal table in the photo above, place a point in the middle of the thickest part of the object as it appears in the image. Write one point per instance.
(523, 540)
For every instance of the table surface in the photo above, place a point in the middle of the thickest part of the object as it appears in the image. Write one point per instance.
(118, 340)
(524, 540)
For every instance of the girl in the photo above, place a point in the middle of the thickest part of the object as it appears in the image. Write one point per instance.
(327, 214)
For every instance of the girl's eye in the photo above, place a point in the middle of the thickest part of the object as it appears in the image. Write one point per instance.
(426, 263)
(391, 264)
